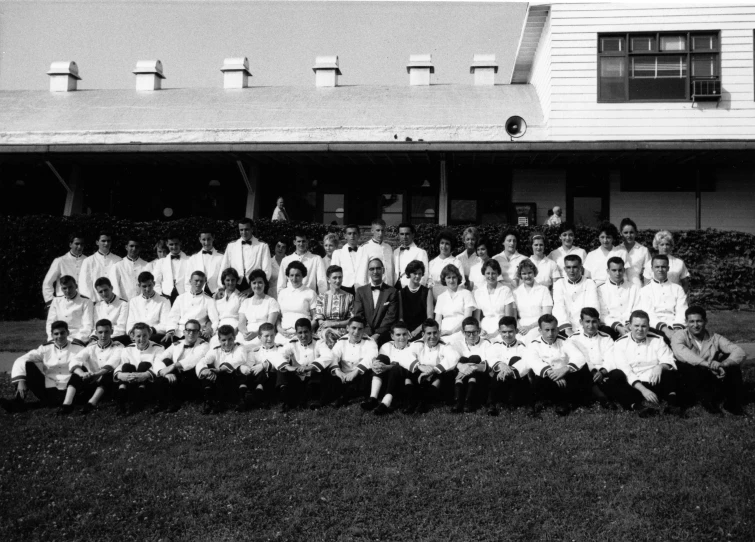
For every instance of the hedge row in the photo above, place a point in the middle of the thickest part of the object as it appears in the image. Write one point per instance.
(720, 262)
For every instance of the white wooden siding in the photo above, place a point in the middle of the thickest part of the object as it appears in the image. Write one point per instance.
(572, 35)
(731, 206)
(545, 187)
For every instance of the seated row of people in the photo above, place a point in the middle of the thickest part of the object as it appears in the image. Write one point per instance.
(637, 371)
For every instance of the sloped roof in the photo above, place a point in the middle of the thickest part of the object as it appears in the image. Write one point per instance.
(267, 114)
(534, 23)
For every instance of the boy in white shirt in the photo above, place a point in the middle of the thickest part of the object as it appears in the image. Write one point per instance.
(68, 264)
(97, 265)
(393, 359)
(74, 309)
(618, 299)
(150, 308)
(664, 301)
(110, 307)
(346, 257)
(406, 253)
(208, 261)
(170, 272)
(597, 349)
(263, 359)
(508, 383)
(124, 274)
(435, 361)
(217, 371)
(476, 355)
(375, 248)
(137, 373)
(352, 360)
(193, 304)
(572, 294)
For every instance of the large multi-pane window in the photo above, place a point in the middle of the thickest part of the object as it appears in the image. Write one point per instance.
(657, 66)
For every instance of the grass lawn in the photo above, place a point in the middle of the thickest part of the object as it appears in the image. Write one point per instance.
(344, 475)
(738, 326)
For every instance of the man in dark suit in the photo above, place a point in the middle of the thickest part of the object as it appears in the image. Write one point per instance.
(377, 303)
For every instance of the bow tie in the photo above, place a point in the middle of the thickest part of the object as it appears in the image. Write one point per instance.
(352, 249)
(206, 252)
(373, 288)
(404, 248)
(174, 257)
(190, 345)
(246, 242)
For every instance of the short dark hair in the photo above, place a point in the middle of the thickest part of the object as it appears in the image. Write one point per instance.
(303, 322)
(358, 320)
(450, 269)
(566, 226)
(507, 321)
(430, 322)
(208, 231)
(573, 258)
(508, 232)
(145, 276)
(67, 279)
(546, 319)
(102, 281)
(484, 241)
(199, 274)
(103, 323)
(230, 272)
(352, 227)
(609, 229)
(592, 312)
(414, 266)
(296, 265)
(616, 260)
(58, 324)
(408, 225)
(400, 324)
(105, 233)
(696, 309)
(75, 235)
(639, 314)
(173, 236)
(226, 330)
(299, 232)
(447, 235)
(377, 222)
(663, 257)
(493, 264)
(260, 274)
(265, 326)
(245, 221)
(333, 269)
(627, 222)
(470, 321)
(193, 321)
(142, 326)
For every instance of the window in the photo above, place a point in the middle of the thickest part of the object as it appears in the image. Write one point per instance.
(333, 208)
(656, 66)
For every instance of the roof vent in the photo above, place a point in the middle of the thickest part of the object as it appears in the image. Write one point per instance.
(149, 75)
(236, 72)
(419, 69)
(326, 71)
(63, 76)
(483, 69)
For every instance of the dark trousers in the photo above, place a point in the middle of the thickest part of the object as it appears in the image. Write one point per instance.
(359, 387)
(698, 382)
(294, 391)
(139, 392)
(577, 385)
(229, 387)
(473, 388)
(511, 391)
(618, 389)
(105, 381)
(35, 382)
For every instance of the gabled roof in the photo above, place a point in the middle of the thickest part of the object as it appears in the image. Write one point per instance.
(534, 23)
(266, 114)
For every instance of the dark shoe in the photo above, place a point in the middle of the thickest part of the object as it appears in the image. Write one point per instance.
(673, 409)
(457, 409)
(64, 410)
(254, 399)
(88, 408)
(285, 407)
(469, 407)
(411, 408)
(218, 407)
(159, 407)
(173, 408)
(369, 404)
(340, 402)
(563, 409)
(315, 405)
(382, 409)
(646, 409)
(423, 408)
(242, 406)
(711, 407)
(493, 410)
(207, 407)
(16, 405)
(734, 408)
(606, 404)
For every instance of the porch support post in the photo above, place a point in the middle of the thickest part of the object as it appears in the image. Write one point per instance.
(251, 174)
(698, 201)
(443, 195)
(74, 196)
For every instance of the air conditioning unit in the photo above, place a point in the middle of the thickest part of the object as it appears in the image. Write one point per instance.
(706, 90)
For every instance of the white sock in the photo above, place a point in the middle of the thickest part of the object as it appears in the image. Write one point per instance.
(387, 399)
(376, 384)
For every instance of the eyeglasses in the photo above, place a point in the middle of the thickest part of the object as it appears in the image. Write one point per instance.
(470, 333)
(192, 330)
(373, 269)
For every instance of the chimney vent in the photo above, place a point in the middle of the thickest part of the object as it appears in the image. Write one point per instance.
(483, 69)
(236, 72)
(63, 76)
(326, 71)
(149, 75)
(420, 68)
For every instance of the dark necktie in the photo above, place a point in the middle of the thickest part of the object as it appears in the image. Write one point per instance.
(174, 257)
(404, 248)
(352, 249)
(373, 288)
(246, 242)
(206, 252)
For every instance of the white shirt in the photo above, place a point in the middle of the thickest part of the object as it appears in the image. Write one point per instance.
(477, 279)
(171, 273)
(68, 264)
(348, 356)
(279, 214)
(530, 302)
(547, 271)
(596, 263)
(51, 360)
(115, 310)
(453, 306)
(569, 298)
(367, 252)
(217, 357)
(597, 349)
(347, 260)
(406, 357)
(95, 266)
(316, 353)
(273, 356)
(190, 306)
(637, 359)
(94, 357)
(617, 301)
(492, 306)
(514, 355)
(467, 261)
(560, 253)
(664, 302)
(542, 356)
(153, 355)
(258, 311)
(275, 271)
(228, 308)
(124, 277)
(296, 303)
(188, 356)
(677, 270)
(246, 258)
(78, 313)
(636, 260)
(315, 279)
(442, 356)
(209, 264)
(485, 349)
(436, 268)
(402, 258)
(509, 265)
(153, 311)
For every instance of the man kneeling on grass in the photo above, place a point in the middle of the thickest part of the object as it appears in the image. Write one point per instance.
(395, 359)
(93, 368)
(218, 371)
(352, 359)
(646, 370)
(43, 370)
(302, 378)
(136, 376)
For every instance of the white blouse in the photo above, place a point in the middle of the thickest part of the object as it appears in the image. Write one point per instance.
(560, 253)
(257, 311)
(492, 306)
(272, 291)
(530, 302)
(453, 307)
(547, 271)
(597, 262)
(436, 268)
(677, 270)
(228, 309)
(509, 265)
(296, 303)
(635, 261)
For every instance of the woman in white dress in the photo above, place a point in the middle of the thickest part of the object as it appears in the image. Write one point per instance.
(330, 244)
(279, 252)
(596, 263)
(637, 255)
(484, 249)
(296, 301)
(532, 301)
(256, 310)
(509, 259)
(547, 270)
(454, 304)
(663, 243)
(445, 242)
(228, 300)
(567, 248)
(494, 301)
